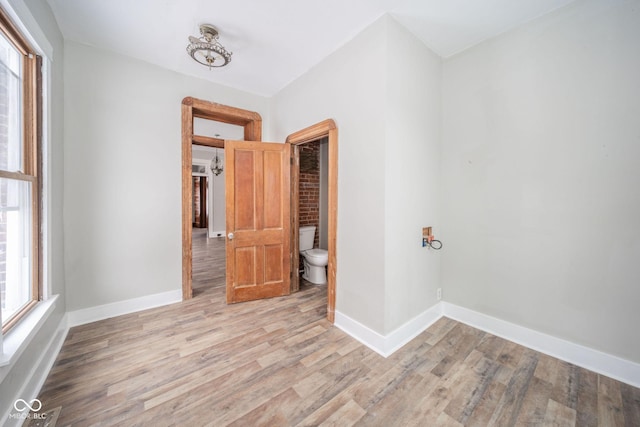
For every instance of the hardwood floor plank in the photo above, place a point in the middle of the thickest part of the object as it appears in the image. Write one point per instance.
(511, 354)
(491, 346)
(324, 412)
(547, 368)
(271, 413)
(565, 389)
(440, 329)
(559, 415)
(324, 352)
(429, 409)
(417, 409)
(279, 362)
(309, 385)
(346, 416)
(630, 404)
(443, 367)
(587, 406)
(510, 404)
(445, 420)
(609, 402)
(471, 388)
(383, 405)
(535, 403)
(486, 405)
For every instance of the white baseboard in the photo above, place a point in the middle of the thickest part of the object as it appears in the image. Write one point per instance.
(214, 234)
(579, 355)
(411, 329)
(106, 311)
(360, 332)
(389, 344)
(585, 357)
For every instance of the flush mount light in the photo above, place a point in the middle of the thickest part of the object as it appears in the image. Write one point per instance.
(207, 50)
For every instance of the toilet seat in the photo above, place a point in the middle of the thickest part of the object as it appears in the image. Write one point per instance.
(316, 254)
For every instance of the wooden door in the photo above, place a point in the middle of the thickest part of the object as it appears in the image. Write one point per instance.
(258, 220)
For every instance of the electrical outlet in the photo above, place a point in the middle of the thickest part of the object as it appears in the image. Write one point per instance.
(439, 294)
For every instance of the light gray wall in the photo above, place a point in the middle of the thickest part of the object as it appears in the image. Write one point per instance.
(541, 170)
(212, 128)
(383, 90)
(412, 175)
(123, 205)
(348, 87)
(15, 380)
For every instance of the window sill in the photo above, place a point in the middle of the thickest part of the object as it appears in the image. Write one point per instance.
(19, 337)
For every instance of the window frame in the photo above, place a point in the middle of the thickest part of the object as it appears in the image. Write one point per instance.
(31, 170)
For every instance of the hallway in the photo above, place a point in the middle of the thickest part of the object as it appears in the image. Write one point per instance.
(208, 262)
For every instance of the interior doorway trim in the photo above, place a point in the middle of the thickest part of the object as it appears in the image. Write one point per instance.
(326, 128)
(191, 108)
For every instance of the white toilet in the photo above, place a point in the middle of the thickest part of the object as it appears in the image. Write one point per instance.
(315, 260)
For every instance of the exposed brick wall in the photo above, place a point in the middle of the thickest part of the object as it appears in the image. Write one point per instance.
(309, 208)
(195, 211)
(200, 219)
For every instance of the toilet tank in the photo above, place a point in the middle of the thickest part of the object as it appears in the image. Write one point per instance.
(307, 235)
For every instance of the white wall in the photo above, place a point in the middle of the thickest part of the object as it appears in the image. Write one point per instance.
(541, 171)
(122, 206)
(348, 87)
(412, 175)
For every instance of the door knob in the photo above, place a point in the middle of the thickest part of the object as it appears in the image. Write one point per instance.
(230, 236)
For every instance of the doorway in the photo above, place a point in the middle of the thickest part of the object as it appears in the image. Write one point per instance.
(252, 124)
(325, 130)
(194, 108)
(208, 264)
(311, 162)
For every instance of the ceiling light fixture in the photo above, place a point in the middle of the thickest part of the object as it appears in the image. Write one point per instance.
(207, 50)
(216, 165)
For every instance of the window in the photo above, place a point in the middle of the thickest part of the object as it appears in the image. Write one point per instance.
(20, 187)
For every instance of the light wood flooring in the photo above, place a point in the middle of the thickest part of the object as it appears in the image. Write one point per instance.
(209, 268)
(279, 362)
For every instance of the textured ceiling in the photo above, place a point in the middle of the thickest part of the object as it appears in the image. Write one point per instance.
(275, 41)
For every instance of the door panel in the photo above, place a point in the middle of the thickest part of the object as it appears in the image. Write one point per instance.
(273, 175)
(245, 259)
(244, 171)
(258, 209)
(273, 267)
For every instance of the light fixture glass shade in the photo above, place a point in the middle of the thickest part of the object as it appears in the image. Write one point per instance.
(207, 50)
(216, 165)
